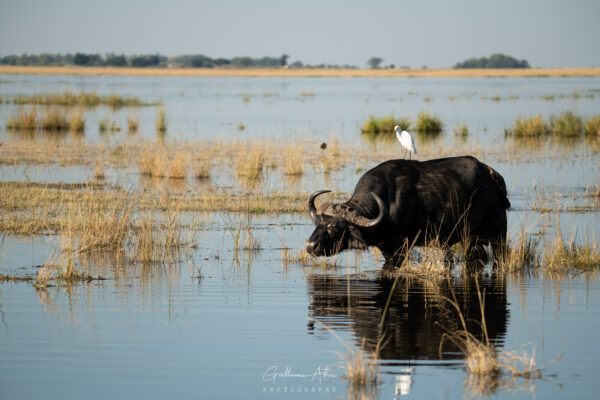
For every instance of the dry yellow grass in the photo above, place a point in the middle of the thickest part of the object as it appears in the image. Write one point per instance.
(316, 72)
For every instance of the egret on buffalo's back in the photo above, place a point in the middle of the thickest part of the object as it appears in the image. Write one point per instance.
(405, 140)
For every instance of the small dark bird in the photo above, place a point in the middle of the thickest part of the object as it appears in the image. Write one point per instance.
(323, 146)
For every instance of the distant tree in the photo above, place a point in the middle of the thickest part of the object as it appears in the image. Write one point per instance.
(374, 62)
(296, 64)
(283, 60)
(241, 62)
(114, 60)
(87, 59)
(221, 61)
(496, 60)
(148, 60)
(81, 59)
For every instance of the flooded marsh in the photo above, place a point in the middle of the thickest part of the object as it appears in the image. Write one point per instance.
(166, 257)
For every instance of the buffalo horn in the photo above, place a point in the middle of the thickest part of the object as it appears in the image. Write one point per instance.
(311, 204)
(348, 214)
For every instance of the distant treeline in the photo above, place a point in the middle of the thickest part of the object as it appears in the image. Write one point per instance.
(494, 61)
(154, 60)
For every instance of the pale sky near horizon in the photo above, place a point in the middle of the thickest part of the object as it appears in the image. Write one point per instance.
(436, 33)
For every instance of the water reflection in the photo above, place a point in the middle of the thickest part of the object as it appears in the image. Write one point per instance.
(416, 307)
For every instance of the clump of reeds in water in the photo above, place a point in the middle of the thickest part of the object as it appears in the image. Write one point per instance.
(294, 161)
(568, 256)
(77, 120)
(161, 121)
(428, 125)
(84, 99)
(25, 119)
(133, 123)
(157, 164)
(361, 370)
(158, 238)
(202, 170)
(106, 125)
(98, 222)
(567, 125)
(529, 128)
(592, 126)
(519, 255)
(250, 164)
(485, 365)
(54, 119)
(178, 167)
(385, 125)
(461, 131)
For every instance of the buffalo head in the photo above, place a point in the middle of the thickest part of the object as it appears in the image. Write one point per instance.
(338, 226)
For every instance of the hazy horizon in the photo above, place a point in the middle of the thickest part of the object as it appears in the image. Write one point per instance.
(437, 34)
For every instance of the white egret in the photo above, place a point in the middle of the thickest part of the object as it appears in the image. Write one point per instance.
(406, 140)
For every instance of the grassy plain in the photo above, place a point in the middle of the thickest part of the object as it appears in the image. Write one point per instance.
(306, 72)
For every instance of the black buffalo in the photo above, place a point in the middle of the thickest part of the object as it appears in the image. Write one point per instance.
(400, 203)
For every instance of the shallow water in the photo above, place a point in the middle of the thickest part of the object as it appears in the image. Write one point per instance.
(164, 331)
(221, 323)
(209, 108)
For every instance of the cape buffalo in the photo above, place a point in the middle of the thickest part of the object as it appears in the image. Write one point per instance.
(400, 203)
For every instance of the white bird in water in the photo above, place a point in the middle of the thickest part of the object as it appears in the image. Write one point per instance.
(406, 140)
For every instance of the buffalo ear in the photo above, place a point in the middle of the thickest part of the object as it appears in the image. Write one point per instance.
(356, 240)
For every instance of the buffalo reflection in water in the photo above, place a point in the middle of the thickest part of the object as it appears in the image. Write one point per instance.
(410, 330)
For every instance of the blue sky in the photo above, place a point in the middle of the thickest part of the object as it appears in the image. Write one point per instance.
(550, 33)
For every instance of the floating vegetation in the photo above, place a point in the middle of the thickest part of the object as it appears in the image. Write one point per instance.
(82, 99)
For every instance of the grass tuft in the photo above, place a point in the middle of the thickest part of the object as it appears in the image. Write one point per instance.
(161, 120)
(385, 125)
(77, 120)
(592, 126)
(529, 127)
(54, 119)
(26, 119)
(428, 125)
(567, 125)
